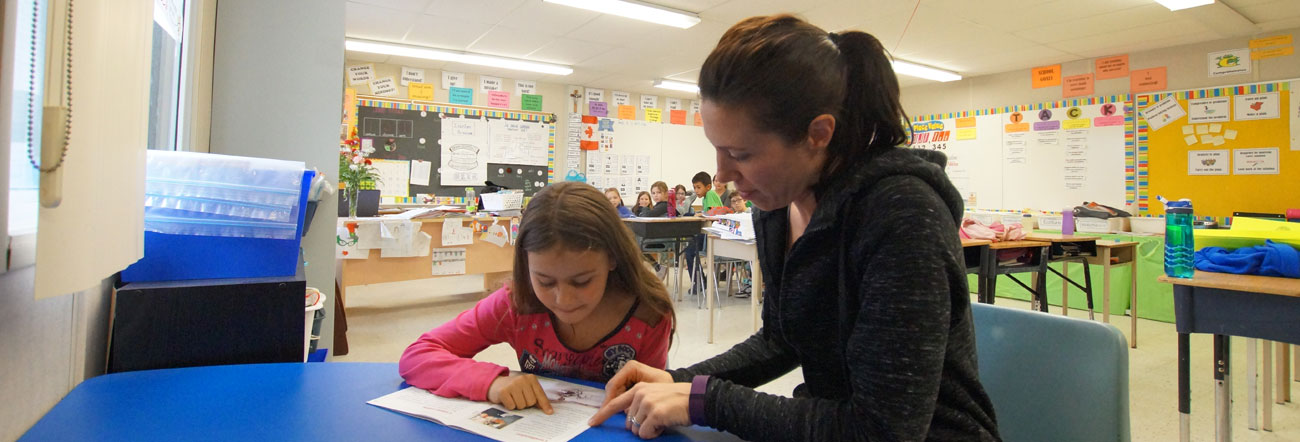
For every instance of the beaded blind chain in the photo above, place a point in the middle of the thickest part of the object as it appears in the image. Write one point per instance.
(67, 90)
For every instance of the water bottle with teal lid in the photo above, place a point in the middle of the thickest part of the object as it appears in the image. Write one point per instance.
(1179, 244)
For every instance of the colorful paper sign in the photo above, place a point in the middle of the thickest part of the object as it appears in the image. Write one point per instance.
(1276, 40)
(1077, 86)
(1076, 123)
(1255, 161)
(1147, 80)
(1112, 67)
(489, 84)
(1045, 76)
(530, 102)
(452, 79)
(1163, 112)
(677, 116)
(384, 86)
(412, 75)
(967, 133)
(523, 87)
(1207, 162)
(460, 95)
(597, 108)
(626, 112)
(1047, 125)
(1229, 62)
(498, 99)
(621, 98)
(698, 121)
(1256, 107)
(1209, 109)
(419, 91)
(965, 122)
(654, 115)
(1270, 53)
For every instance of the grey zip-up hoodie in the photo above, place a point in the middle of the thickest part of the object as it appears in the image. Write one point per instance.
(872, 303)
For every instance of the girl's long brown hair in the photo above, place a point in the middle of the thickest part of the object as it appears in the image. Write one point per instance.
(578, 217)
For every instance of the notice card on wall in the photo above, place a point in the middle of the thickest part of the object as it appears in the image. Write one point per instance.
(361, 74)
(1163, 112)
(410, 74)
(394, 177)
(448, 261)
(464, 152)
(456, 233)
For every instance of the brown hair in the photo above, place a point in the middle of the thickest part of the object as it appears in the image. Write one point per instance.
(615, 190)
(647, 197)
(785, 71)
(578, 217)
(663, 187)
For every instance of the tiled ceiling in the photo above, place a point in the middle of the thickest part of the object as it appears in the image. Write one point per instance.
(967, 36)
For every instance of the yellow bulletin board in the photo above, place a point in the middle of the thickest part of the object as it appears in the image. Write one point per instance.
(1185, 158)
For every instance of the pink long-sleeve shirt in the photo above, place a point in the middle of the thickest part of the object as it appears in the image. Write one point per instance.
(440, 361)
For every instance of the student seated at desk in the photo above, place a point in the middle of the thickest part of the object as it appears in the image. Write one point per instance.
(658, 194)
(738, 203)
(581, 305)
(684, 202)
(642, 202)
(617, 200)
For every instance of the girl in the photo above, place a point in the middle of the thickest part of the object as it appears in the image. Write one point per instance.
(617, 200)
(642, 202)
(857, 240)
(684, 200)
(658, 193)
(580, 305)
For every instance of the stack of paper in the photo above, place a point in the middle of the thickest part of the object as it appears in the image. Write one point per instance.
(737, 226)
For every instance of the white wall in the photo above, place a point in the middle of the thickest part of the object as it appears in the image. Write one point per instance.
(1186, 69)
(277, 71)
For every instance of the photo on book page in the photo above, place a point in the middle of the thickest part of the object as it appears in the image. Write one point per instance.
(573, 404)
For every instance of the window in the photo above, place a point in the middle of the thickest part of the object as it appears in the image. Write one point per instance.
(24, 180)
(164, 89)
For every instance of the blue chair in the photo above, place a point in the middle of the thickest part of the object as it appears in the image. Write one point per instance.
(1053, 378)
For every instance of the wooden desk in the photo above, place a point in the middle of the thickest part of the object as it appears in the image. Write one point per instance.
(1122, 252)
(1037, 265)
(494, 263)
(1064, 250)
(746, 250)
(1226, 305)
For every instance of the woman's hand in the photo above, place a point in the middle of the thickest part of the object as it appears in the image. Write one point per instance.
(632, 373)
(519, 391)
(651, 408)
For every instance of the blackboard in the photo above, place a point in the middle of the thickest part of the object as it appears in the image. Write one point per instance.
(413, 134)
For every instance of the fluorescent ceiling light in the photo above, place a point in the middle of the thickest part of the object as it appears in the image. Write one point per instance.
(678, 86)
(1175, 5)
(636, 10)
(915, 70)
(401, 50)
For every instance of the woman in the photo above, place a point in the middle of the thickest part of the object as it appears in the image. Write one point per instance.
(866, 291)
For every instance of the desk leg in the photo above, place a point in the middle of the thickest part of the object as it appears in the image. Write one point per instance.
(1065, 288)
(1105, 284)
(1040, 287)
(1267, 403)
(708, 288)
(1184, 389)
(1133, 297)
(755, 290)
(1087, 287)
(989, 276)
(1222, 390)
(1252, 409)
(1283, 384)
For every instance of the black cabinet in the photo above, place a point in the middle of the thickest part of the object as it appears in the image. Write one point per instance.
(206, 322)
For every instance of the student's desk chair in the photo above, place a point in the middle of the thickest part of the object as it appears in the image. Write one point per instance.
(1052, 377)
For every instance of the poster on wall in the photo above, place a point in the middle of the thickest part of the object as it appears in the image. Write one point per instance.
(1206, 110)
(464, 152)
(1262, 161)
(1163, 112)
(1256, 106)
(1207, 162)
(1230, 62)
(518, 142)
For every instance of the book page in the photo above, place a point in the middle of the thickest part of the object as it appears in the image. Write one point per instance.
(574, 404)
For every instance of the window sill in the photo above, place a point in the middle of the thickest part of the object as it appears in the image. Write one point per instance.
(21, 251)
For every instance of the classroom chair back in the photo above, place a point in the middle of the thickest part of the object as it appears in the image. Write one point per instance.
(1052, 377)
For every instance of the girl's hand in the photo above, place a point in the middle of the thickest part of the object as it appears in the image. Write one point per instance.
(519, 391)
(651, 408)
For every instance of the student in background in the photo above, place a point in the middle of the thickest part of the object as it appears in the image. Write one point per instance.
(738, 204)
(658, 194)
(617, 200)
(581, 305)
(642, 202)
(703, 184)
(858, 240)
(684, 201)
(723, 189)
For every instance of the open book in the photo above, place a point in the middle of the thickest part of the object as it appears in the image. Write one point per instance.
(574, 404)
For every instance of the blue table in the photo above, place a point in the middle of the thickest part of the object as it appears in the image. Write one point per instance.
(281, 402)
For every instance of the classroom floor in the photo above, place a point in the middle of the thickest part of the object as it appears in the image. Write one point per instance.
(384, 318)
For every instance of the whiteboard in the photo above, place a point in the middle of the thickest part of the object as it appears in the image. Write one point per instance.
(974, 162)
(686, 152)
(1062, 167)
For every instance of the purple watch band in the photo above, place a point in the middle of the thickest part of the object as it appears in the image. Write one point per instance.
(699, 385)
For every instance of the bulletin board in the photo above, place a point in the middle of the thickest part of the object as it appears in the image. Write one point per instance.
(1044, 156)
(1227, 149)
(407, 135)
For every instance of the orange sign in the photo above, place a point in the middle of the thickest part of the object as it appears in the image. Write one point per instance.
(1112, 67)
(965, 122)
(1270, 53)
(698, 120)
(1077, 85)
(1017, 117)
(1044, 76)
(677, 116)
(626, 112)
(1147, 80)
(1276, 40)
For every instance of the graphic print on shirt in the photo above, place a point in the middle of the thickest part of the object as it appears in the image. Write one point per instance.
(591, 365)
(616, 356)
